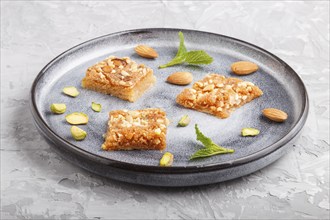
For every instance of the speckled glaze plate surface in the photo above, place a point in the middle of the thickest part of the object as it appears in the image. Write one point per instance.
(282, 89)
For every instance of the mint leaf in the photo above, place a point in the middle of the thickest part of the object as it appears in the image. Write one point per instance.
(207, 152)
(173, 62)
(210, 148)
(207, 142)
(180, 55)
(198, 57)
(182, 48)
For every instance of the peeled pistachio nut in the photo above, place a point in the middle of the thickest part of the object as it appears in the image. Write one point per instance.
(58, 108)
(77, 133)
(71, 91)
(166, 160)
(250, 132)
(184, 121)
(77, 118)
(96, 107)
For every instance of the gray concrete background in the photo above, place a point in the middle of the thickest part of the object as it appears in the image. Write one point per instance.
(37, 184)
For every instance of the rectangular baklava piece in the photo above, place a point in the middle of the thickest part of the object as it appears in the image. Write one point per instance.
(218, 95)
(136, 130)
(120, 77)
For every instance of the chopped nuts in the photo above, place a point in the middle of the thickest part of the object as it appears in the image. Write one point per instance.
(121, 77)
(136, 129)
(77, 118)
(184, 121)
(158, 131)
(124, 73)
(208, 88)
(119, 62)
(122, 83)
(58, 108)
(218, 95)
(96, 107)
(77, 133)
(71, 91)
(107, 69)
(167, 160)
(250, 132)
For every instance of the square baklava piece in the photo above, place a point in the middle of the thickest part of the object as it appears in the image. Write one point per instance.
(136, 130)
(120, 77)
(218, 95)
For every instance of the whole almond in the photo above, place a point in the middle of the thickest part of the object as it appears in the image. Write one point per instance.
(275, 114)
(243, 67)
(146, 51)
(180, 78)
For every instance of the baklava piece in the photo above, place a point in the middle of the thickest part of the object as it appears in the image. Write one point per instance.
(218, 95)
(136, 130)
(120, 77)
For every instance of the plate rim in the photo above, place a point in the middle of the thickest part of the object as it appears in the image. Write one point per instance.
(51, 135)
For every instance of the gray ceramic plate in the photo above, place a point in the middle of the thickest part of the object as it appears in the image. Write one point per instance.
(282, 89)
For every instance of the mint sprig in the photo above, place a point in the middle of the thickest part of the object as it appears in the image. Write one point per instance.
(194, 57)
(182, 48)
(210, 148)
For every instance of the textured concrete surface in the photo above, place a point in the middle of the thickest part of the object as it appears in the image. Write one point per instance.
(37, 184)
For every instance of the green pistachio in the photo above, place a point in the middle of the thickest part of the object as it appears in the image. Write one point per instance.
(96, 107)
(250, 132)
(58, 108)
(77, 118)
(184, 121)
(166, 160)
(71, 91)
(77, 133)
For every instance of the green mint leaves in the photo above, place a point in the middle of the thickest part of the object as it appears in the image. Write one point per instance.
(182, 48)
(197, 57)
(194, 57)
(210, 148)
